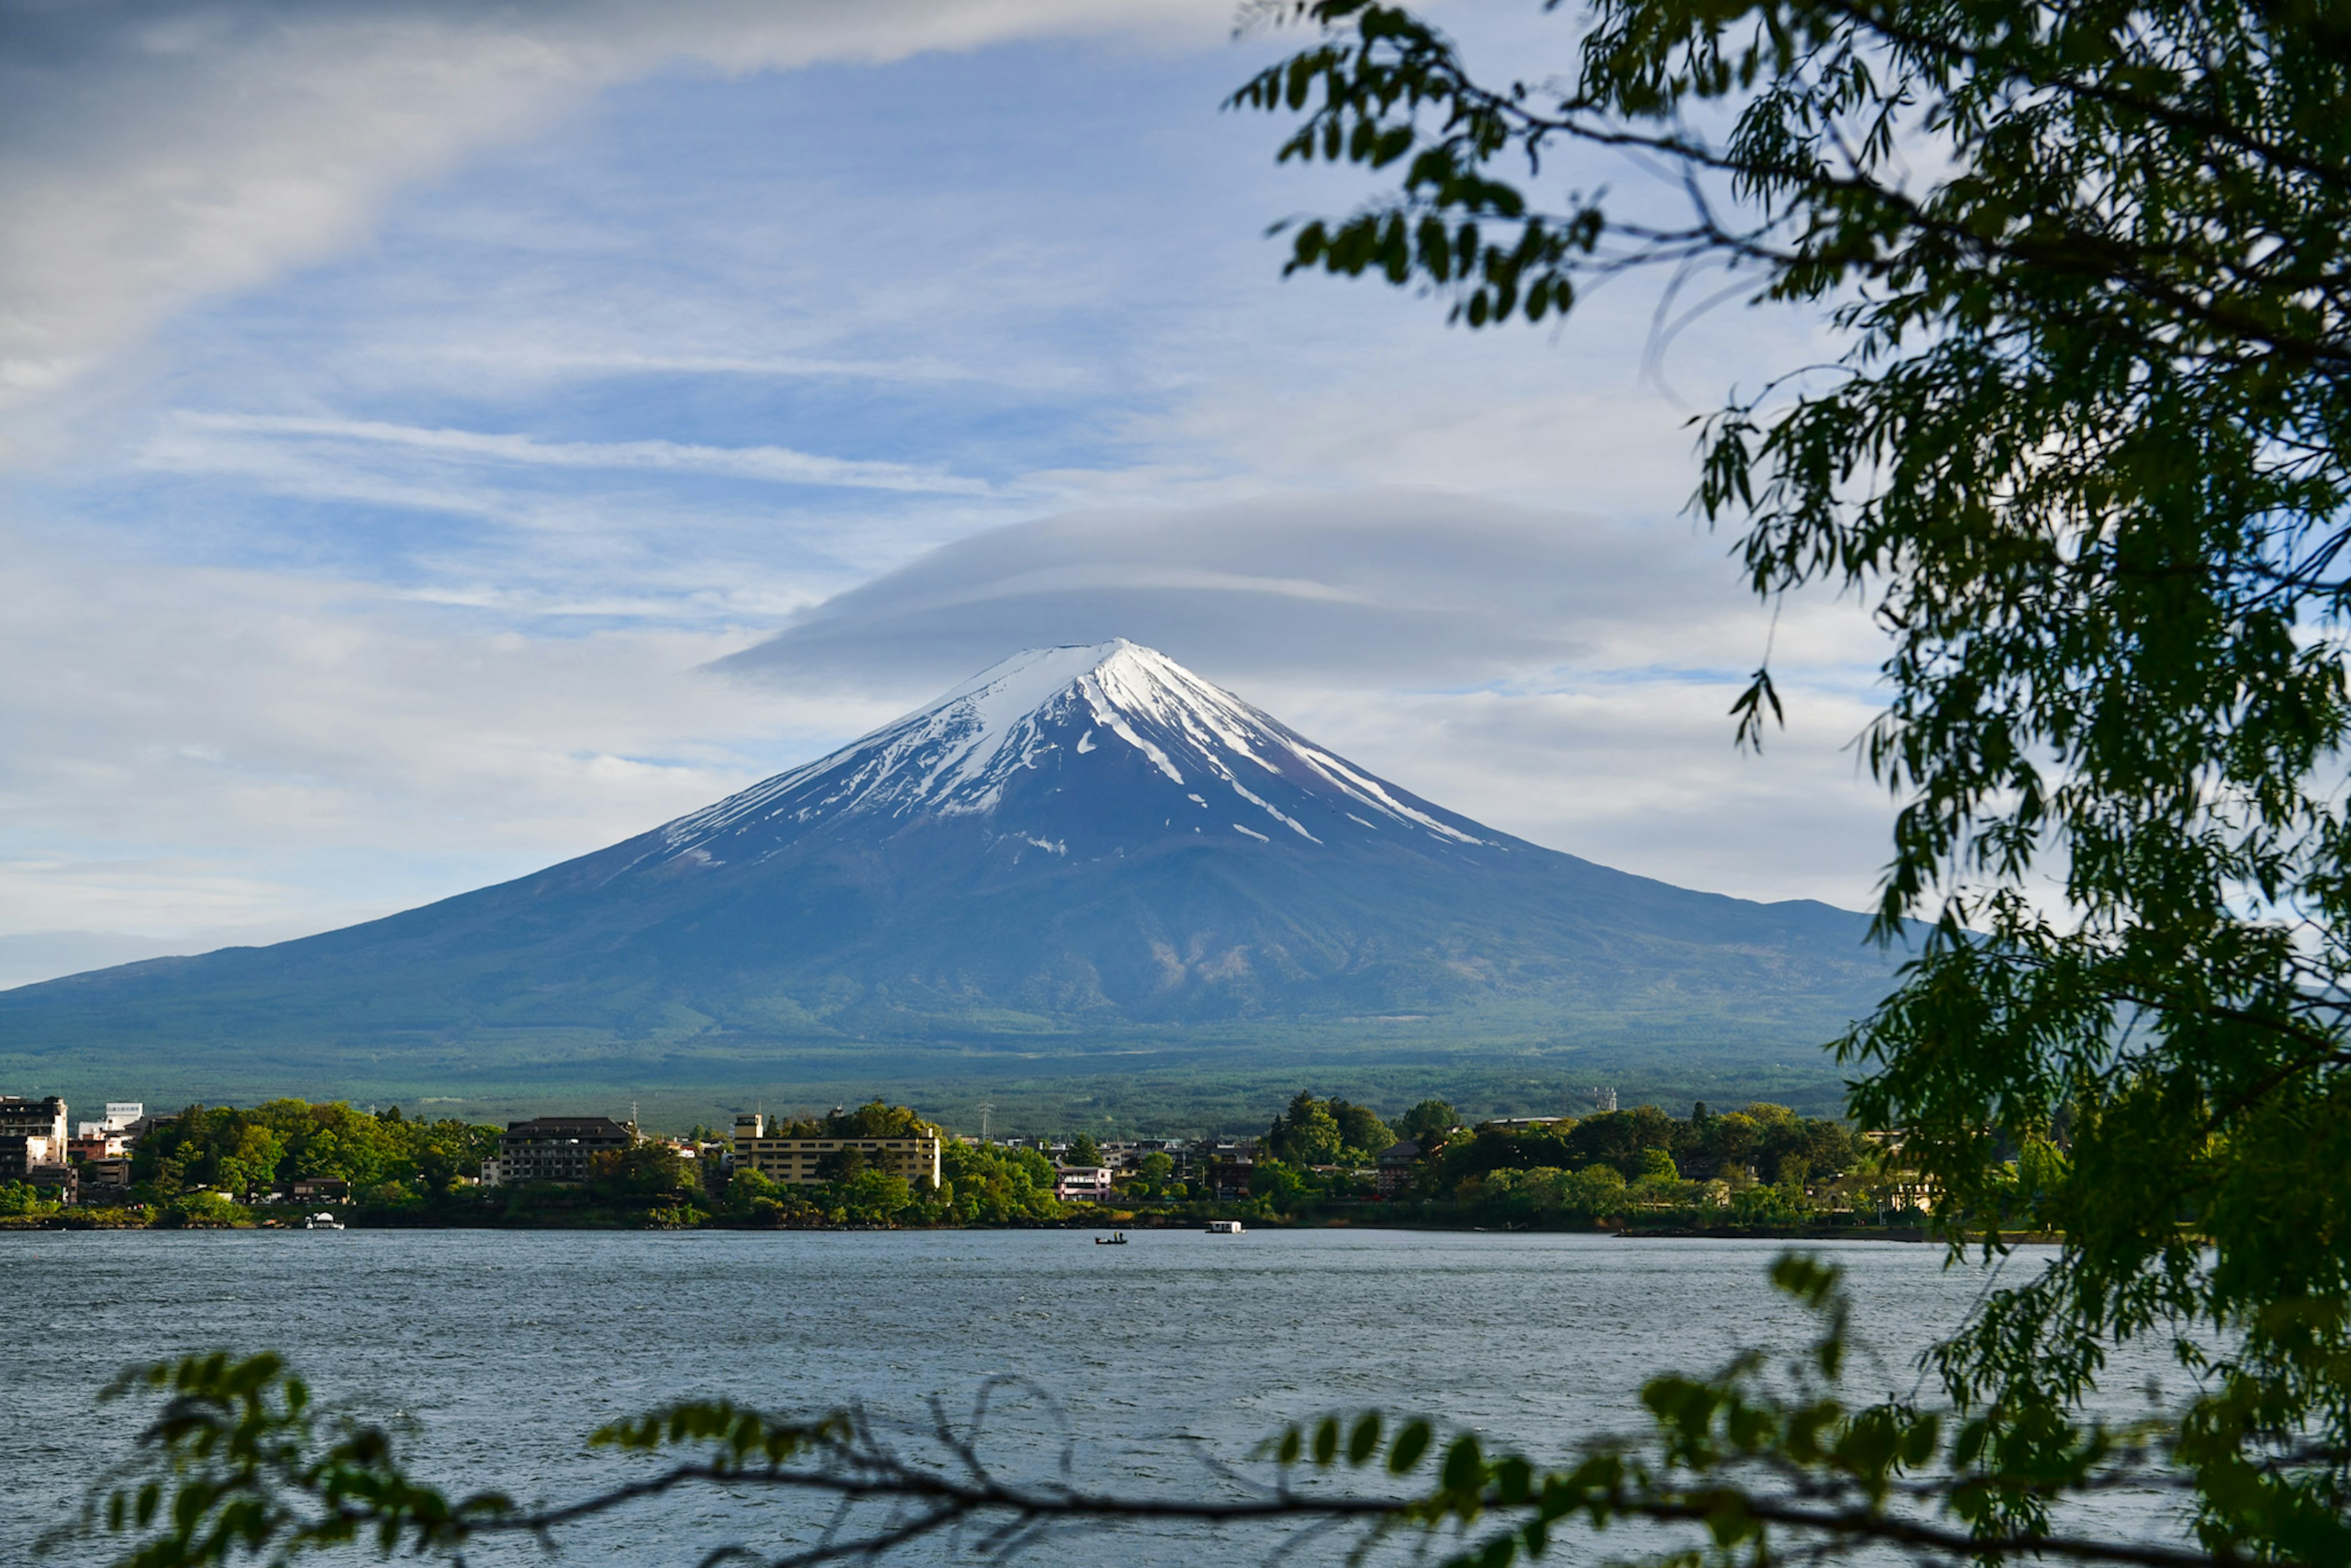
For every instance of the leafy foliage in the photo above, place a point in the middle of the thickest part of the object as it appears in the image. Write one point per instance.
(1761, 1167)
(645, 1170)
(273, 1145)
(998, 1185)
(238, 1465)
(2083, 455)
(1764, 1140)
(1428, 1122)
(18, 1198)
(1312, 1132)
(875, 1119)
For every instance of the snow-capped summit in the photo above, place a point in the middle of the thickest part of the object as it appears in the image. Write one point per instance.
(1088, 750)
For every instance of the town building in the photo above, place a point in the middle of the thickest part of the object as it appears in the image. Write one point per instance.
(21, 1157)
(88, 1146)
(1395, 1167)
(120, 1117)
(1227, 1175)
(21, 1118)
(1083, 1183)
(54, 1180)
(802, 1162)
(716, 1163)
(140, 1126)
(110, 1177)
(559, 1148)
(1128, 1155)
(32, 1132)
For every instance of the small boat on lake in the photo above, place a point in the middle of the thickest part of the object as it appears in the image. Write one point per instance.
(323, 1220)
(1224, 1227)
(1118, 1239)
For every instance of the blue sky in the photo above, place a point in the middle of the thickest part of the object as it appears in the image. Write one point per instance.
(411, 407)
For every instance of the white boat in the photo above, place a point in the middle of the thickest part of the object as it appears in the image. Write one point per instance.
(323, 1220)
(1224, 1227)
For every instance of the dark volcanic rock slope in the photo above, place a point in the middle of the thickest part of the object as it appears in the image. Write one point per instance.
(1090, 837)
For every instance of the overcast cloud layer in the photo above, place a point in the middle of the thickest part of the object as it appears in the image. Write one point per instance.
(434, 442)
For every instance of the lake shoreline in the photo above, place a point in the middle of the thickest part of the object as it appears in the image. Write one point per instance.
(87, 1221)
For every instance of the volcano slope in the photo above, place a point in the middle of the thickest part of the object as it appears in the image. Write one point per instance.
(1080, 851)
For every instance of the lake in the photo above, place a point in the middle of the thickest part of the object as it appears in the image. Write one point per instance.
(506, 1348)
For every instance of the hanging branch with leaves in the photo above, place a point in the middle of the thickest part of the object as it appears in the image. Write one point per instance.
(2082, 454)
(1758, 1462)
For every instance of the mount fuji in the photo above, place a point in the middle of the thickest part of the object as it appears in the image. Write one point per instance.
(1089, 850)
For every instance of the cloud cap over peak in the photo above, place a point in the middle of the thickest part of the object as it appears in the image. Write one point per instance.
(1372, 588)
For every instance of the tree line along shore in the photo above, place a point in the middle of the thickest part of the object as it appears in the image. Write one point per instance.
(1320, 1160)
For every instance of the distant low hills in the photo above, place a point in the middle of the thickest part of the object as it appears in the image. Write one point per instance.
(1084, 861)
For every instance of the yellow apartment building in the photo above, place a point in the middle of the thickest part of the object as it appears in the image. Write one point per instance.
(784, 1159)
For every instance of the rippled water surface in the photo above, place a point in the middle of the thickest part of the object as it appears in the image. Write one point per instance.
(506, 1349)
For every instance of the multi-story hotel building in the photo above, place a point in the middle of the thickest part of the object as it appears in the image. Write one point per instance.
(32, 1132)
(559, 1148)
(795, 1160)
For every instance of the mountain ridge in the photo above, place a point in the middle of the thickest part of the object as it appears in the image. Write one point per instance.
(1089, 845)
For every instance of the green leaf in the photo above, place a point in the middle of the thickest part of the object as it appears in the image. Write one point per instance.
(1326, 1441)
(1464, 1470)
(1411, 1443)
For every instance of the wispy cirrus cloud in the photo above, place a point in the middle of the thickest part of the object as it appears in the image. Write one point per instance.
(182, 446)
(527, 355)
(162, 151)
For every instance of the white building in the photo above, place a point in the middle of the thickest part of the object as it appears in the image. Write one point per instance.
(120, 1115)
(1083, 1183)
